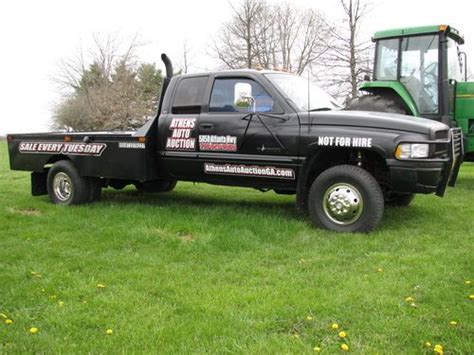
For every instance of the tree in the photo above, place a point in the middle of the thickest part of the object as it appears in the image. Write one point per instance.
(235, 43)
(115, 91)
(348, 58)
(271, 37)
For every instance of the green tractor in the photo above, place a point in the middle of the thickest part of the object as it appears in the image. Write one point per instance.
(420, 71)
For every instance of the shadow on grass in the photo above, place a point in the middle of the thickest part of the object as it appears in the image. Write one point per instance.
(395, 218)
(191, 200)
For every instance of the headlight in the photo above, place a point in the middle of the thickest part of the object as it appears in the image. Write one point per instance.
(412, 151)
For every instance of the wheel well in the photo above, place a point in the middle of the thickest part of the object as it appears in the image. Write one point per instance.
(54, 159)
(325, 158)
(391, 94)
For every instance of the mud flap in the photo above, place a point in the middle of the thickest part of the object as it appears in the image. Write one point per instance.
(38, 183)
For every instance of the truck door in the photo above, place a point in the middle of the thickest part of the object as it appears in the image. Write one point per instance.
(177, 129)
(245, 137)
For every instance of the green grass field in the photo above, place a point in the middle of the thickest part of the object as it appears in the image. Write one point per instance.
(208, 269)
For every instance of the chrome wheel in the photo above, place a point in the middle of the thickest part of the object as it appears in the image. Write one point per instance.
(62, 186)
(343, 204)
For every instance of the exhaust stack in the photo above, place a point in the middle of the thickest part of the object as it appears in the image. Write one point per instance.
(168, 66)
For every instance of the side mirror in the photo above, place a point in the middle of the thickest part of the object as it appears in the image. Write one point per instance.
(243, 96)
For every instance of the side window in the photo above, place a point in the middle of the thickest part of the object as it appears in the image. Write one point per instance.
(189, 94)
(387, 59)
(239, 95)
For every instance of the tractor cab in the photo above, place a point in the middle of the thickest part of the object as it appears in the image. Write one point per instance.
(421, 71)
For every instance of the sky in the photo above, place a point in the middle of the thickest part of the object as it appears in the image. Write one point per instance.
(36, 36)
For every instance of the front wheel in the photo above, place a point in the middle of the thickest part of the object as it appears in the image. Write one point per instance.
(346, 198)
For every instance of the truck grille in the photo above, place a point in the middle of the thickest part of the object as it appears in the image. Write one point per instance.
(454, 136)
(441, 150)
(441, 134)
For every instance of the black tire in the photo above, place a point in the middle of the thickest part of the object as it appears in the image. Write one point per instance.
(66, 186)
(351, 191)
(376, 103)
(156, 186)
(95, 189)
(399, 199)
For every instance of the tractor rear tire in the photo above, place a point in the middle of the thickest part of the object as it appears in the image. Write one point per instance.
(376, 103)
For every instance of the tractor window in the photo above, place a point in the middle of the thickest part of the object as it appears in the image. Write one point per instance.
(387, 59)
(454, 63)
(419, 71)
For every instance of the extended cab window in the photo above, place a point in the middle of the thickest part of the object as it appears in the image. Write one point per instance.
(239, 95)
(189, 94)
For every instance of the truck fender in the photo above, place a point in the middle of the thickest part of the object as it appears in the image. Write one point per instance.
(320, 159)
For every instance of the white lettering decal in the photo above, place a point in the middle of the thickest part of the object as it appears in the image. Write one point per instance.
(249, 170)
(218, 143)
(355, 142)
(181, 134)
(95, 149)
(131, 145)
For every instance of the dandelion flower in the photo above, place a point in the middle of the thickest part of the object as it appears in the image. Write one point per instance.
(317, 349)
(379, 269)
(345, 347)
(453, 323)
(409, 299)
(335, 326)
(342, 335)
(309, 318)
(8, 321)
(109, 331)
(467, 282)
(34, 330)
(471, 297)
(428, 344)
(101, 286)
(3, 315)
(61, 303)
(438, 349)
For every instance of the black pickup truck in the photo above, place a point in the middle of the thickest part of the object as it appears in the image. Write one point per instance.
(262, 129)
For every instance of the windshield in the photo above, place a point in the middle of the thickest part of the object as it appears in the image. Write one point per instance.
(295, 88)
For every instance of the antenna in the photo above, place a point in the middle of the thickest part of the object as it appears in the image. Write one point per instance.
(309, 100)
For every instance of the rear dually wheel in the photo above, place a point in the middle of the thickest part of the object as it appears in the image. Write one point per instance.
(66, 186)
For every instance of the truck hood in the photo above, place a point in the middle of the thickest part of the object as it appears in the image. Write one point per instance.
(391, 121)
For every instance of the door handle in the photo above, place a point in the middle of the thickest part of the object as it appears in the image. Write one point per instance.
(206, 126)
